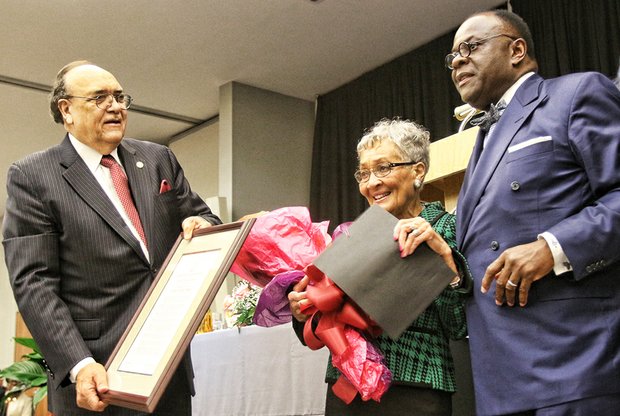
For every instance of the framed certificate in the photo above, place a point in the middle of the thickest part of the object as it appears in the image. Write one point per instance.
(155, 342)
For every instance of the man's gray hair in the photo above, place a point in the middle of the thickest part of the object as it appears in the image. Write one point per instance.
(59, 90)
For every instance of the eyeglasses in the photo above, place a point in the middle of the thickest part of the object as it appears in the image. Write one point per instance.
(104, 101)
(465, 49)
(380, 171)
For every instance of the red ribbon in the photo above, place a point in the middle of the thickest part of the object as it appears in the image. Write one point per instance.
(333, 310)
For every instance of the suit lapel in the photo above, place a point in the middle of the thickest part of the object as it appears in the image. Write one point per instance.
(464, 208)
(86, 187)
(526, 99)
(137, 170)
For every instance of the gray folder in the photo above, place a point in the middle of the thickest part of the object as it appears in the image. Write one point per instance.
(365, 263)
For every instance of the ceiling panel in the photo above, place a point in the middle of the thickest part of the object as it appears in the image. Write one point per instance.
(172, 56)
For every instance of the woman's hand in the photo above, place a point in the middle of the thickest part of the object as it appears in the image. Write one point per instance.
(412, 232)
(297, 297)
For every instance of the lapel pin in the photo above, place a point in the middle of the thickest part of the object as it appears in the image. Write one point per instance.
(140, 165)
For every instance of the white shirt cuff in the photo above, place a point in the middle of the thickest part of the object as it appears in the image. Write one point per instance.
(561, 264)
(76, 369)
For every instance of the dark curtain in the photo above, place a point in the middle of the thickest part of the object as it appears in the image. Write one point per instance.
(573, 36)
(569, 36)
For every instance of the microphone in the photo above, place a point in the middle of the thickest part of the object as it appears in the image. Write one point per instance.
(464, 113)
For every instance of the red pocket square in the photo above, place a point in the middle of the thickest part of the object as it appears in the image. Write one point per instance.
(164, 187)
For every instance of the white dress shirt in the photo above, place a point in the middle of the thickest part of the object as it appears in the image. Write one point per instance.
(92, 158)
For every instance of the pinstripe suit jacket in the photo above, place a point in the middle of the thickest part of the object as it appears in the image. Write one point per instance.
(77, 272)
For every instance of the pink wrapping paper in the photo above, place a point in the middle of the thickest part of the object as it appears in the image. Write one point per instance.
(362, 365)
(280, 241)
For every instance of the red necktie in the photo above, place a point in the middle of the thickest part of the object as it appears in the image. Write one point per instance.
(121, 185)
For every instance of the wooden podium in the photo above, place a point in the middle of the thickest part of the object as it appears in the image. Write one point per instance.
(448, 158)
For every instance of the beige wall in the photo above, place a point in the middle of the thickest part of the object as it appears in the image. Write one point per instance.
(265, 149)
(198, 153)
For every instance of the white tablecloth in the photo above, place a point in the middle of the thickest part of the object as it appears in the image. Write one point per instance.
(257, 371)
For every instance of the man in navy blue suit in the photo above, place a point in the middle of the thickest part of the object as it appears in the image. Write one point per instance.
(539, 221)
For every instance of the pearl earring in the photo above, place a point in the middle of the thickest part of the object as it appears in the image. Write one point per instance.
(417, 184)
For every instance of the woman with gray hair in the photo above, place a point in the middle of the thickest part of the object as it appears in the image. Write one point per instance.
(393, 161)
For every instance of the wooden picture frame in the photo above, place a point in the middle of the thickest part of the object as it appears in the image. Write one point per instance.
(150, 350)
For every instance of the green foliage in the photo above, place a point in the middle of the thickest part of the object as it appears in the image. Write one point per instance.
(27, 373)
(245, 316)
(29, 343)
(39, 395)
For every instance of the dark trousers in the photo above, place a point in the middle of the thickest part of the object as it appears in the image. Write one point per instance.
(398, 400)
(600, 406)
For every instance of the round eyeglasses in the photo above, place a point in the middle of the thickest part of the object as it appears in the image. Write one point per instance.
(380, 171)
(465, 49)
(104, 101)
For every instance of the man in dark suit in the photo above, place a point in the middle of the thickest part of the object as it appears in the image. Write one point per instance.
(79, 261)
(539, 220)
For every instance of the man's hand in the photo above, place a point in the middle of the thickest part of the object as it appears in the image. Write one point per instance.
(193, 223)
(517, 268)
(91, 381)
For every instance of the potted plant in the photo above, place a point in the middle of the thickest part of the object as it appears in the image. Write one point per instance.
(22, 376)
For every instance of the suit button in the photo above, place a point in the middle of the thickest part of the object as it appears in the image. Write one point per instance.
(494, 245)
(515, 186)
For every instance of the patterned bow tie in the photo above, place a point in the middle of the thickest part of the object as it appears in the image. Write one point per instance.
(490, 117)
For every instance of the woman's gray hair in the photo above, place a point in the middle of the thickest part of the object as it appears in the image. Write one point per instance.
(411, 139)
(59, 90)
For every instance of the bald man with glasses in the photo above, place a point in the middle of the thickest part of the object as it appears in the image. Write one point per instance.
(88, 224)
